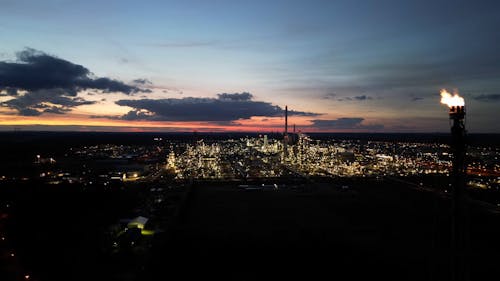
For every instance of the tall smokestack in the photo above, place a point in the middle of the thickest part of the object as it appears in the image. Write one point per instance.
(460, 214)
(286, 119)
(460, 235)
(285, 137)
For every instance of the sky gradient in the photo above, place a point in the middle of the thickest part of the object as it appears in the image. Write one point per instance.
(341, 66)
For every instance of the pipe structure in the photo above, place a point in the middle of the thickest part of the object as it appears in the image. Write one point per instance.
(460, 216)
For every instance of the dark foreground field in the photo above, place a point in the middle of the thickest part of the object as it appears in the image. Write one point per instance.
(374, 231)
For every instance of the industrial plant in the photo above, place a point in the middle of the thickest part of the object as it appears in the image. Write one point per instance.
(177, 196)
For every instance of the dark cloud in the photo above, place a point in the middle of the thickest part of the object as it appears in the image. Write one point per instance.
(344, 123)
(108, 85)
(235, 96)
(29, 112)
(355, 98)
(8, 92)
(143, 82)
(35, 70)
(43, 78)
(56, 110)
(363, 97)
(31, 101)
(488, 98)
(226, 107)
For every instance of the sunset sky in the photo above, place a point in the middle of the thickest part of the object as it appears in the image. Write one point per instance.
(340, 66)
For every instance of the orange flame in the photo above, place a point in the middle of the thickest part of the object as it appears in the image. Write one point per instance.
(448, 99)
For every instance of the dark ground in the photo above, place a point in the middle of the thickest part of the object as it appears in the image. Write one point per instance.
(57, 233)
(375, 231)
